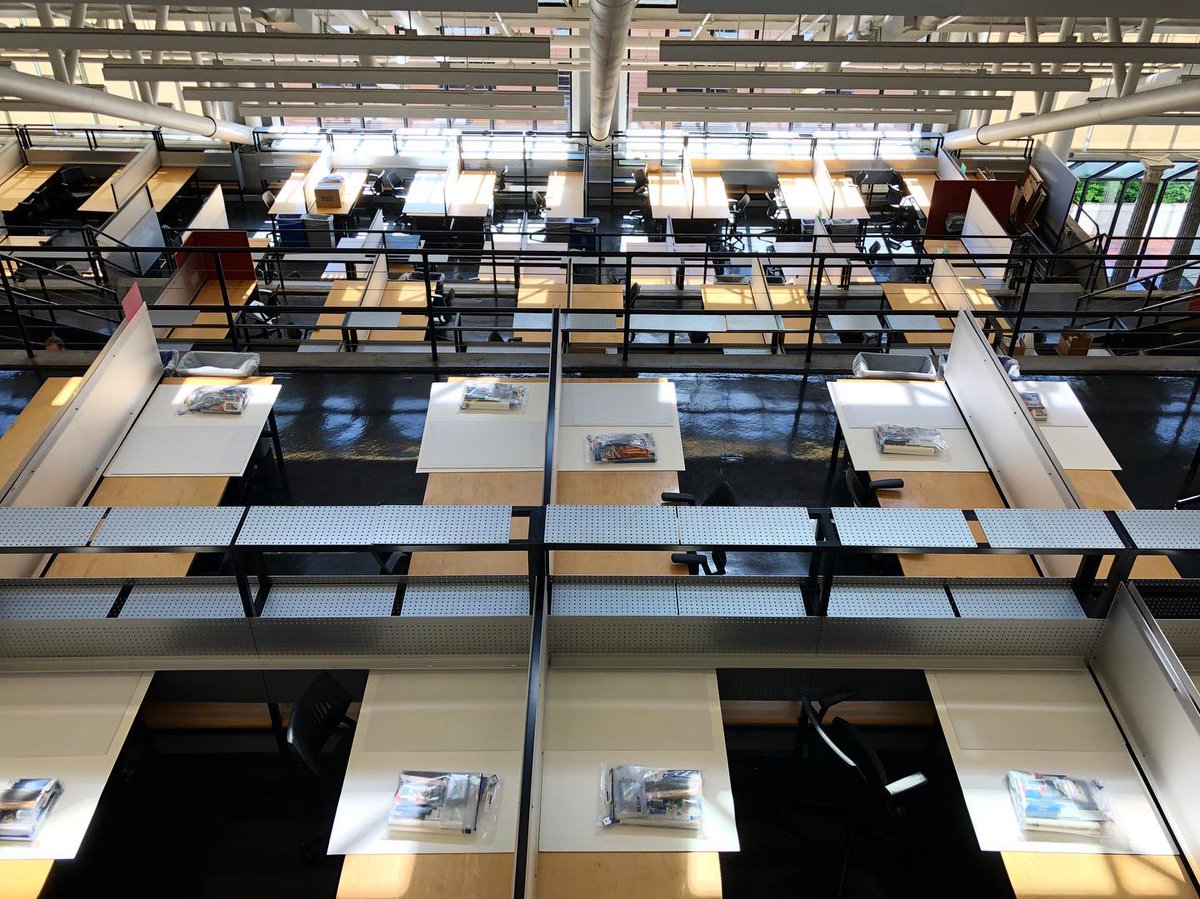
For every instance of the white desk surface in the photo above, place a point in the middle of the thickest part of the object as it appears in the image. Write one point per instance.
(564, 194)
(909, 403)
(426, 193)
(1071, 435)
(800, 196)
(633, 405)
(483, 441)
(1049, 721)
(69, 726)
(599, 719)
(847, 200)
(710, 202)
(668, 196)
(163, 443)
(431, 720)
(336, 270)
(866, 402)
(471, 195)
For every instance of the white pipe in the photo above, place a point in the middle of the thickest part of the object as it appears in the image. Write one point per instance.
(608, 38)
(1175, 98)
(414, 21)
(1113, 24)
(1065, 31)
(84, 99)
(78, 18)
(1145, 32)
(57, 61)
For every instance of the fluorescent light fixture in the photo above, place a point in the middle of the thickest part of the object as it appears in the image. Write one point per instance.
(480, 75)
(920, 53)
(932, 81)
(301, 44)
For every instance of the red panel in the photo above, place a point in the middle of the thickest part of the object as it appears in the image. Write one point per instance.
(236, 263)
(132, 301)
(950, 197)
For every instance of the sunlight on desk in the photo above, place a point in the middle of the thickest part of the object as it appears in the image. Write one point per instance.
(478, 876)
(1062, 876)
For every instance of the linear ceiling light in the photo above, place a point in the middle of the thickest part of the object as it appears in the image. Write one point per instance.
(817, 116)
(817, 101)
(934, 81)
(379, 97)
(481, 76)
(310, 45)
(352, 111)
(979, 8)
(902, 52)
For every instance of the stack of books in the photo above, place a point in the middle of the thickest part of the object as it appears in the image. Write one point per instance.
(442, 801)
(1033, 402)
(488, 396)
(1056, 802)
(24, 805)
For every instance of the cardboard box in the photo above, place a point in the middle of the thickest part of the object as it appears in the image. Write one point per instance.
(1074, 343)
(329, 191)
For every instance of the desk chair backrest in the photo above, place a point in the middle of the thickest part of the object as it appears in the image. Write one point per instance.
(721, 495)
(316, 716)
(863, 492)
(641, 181)
(268, 198)
(539, 202)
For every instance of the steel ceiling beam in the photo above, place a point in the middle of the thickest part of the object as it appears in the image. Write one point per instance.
(402, 111)
(819, 101)
(934, 81)
(920, 53)
(945, 8)
(815, 116)
(386, 97)
(482, 76)
(301, 44)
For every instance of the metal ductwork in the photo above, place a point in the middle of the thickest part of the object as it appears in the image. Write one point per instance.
(608, 37)
(84, 99)
(1175, 98)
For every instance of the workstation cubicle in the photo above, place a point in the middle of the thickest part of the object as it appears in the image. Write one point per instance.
(18, 179)
(153, 169)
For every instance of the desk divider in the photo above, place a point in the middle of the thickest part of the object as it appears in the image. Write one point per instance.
(1010, 441)
(376, 283)
(69, 461)
(688, 179)
(136, 224)
(453, 170)
(374, 238)
(824, 182)
(1157, 705)
(134, 175)
(983, 235)
(318, 170)
(11, 161)
(949, 287)
(948, 168)
(211, 216)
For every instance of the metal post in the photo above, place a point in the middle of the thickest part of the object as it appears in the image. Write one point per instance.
(628, 308)
(1020, 316)
(233, 334)
(812, 320)
(433, 351)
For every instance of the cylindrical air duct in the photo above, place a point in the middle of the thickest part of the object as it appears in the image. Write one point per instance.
(607, 39)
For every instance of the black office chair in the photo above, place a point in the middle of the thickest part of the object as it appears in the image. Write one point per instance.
(864, 493)
(317, 716)
(76, 182)
(501, 180)
(539, 203)
(641, 182)
(737, 216)
(721, 495)
(877, 796)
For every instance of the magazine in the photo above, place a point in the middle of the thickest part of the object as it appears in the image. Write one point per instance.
(24, 805)
(1058, 802)
(442, 801)
(1037, 408)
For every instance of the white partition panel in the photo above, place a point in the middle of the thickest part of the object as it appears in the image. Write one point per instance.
(824, 182)
(1156, 703)
(453, 170)
(135, 174)
(948, 287)
(67, 464)
(374, 238)
(319, 169)
(211, 215)
(983, 235)
(136, 224)
(947, 168)
(11, 161)
(1011, 443)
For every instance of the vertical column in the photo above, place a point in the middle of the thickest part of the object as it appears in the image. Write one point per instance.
(1154, 168)
(1185, 240)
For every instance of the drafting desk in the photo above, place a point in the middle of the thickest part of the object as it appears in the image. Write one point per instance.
(290, 199)
(483, 441)
(23, 183)
(426, 194)
(668, 195)
(564, 195)
(215, 325)
(164, 184)
(609, 297)
(471, 195)
(34, 421)
(352, 188)
(342, 297)
(189, 490)
(598, 718)
(614, 487)
(710, 202)
(721, 298)
(1068, 430)
(801, 199)
(69, 726)
(786, 297)
(924, 298)
(920, 188)
(1057, 721)
(539, 298)
(470, 721)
